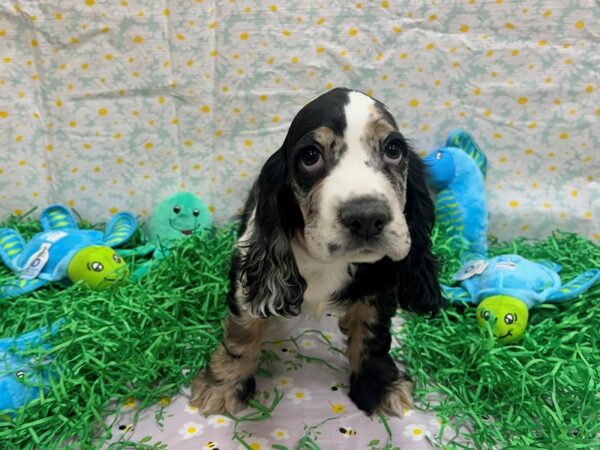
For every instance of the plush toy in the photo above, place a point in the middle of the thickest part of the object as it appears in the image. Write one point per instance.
(504, 287)
(64, 252)
(23, 377)
(456, 173)
(173, 219)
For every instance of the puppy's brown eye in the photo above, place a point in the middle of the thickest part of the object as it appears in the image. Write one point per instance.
(393, 152)
(311, 159)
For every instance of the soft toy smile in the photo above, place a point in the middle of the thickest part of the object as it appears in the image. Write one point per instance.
(187, 232)
(506, 335)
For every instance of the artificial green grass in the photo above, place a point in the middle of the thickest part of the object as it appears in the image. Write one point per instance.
(543, 393)
(135, 341)
(131, 342)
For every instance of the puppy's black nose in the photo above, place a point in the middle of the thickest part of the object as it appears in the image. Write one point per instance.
(365, 217)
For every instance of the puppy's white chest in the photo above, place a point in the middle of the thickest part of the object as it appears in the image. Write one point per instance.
(322, 280)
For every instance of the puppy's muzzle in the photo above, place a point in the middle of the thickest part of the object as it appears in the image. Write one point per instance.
(365, 217)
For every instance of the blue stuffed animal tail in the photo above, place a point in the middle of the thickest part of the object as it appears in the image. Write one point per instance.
(575, 287)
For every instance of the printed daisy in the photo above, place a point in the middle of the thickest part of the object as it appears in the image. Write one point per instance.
(416, 432)
(280, 434)
(407, 412)
(328, 337)
(298, 395)
(255, 444)
(190, 409)
(284, 382)
(219, 421)
(130, 403)
(191, 429)
(307, 343)
(338, 408)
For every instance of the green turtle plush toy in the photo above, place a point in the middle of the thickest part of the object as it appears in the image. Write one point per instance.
(172, 220)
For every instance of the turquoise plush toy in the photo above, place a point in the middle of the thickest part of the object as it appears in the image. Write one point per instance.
(172, 220)
(504, 287)
(63, 252)
(456, 173)
(23, 376)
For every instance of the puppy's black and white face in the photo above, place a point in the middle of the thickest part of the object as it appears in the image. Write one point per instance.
(347, 167)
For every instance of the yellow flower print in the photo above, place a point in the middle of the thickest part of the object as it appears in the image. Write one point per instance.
(338, 408)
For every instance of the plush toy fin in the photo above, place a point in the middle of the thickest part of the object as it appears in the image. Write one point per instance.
(138, 251)
(11, 246)
(463, 140)
(120, 228)
(20, 286)
(577, 286)
(31, 339)
(554, 267)
(456, 294)
(142, 270)
(57, 217)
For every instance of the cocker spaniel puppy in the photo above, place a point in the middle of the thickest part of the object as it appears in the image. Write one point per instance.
(340, 217)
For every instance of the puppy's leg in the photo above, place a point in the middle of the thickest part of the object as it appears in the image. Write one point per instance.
(376, 384)
(226, 384)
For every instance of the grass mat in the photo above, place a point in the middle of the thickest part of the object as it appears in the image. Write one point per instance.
(135, 341)
(131, 342)
(541, 394)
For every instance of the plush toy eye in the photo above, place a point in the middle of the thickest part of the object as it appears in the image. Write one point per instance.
(97, 266)
(311, 159)
(508, 319)
(196, 212)
(485, 315)
(393, 152)
(177, 209)
(438, 155)
(20, 374)
(116, 259)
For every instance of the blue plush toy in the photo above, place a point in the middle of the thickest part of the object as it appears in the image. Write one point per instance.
(456, 173)
(504, 287)
(63, 252)
(22, 376)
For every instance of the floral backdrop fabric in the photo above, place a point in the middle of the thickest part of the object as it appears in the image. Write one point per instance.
(113, 105)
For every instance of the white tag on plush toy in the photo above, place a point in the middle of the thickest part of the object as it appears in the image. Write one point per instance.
(470, 269)
(36, 262)
(55, 236)
(506, 265)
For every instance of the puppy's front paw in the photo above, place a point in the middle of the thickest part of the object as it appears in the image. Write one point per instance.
(212, 397)
(397, 398)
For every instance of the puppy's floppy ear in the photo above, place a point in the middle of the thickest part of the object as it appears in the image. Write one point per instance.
(270, 278)
(418, 287)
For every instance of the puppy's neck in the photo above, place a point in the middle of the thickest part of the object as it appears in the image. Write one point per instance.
(323, 280)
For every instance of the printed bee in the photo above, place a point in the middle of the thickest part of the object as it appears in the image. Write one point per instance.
(125, 428)
(289, 351)
(337, 386)
(347, 432)
(210, 445)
